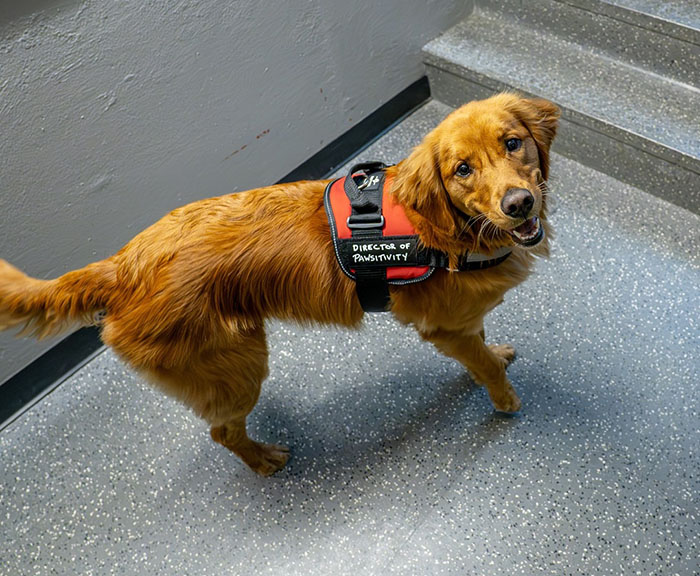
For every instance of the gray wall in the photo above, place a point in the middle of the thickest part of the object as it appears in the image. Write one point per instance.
(113, 113)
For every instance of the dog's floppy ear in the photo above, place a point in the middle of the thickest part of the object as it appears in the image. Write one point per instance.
(419, 185)
(540, 117)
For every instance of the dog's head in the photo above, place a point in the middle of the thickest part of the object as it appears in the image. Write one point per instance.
(480, 177)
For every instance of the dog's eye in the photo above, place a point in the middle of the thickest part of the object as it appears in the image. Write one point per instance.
(513, 144)
(463, 170)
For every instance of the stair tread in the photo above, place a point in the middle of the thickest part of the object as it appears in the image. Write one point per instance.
(685, 13)
(661, 111)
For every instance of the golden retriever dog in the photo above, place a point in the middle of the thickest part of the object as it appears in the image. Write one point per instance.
(184, 303)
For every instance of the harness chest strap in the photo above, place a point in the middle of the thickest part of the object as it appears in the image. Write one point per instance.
(366, 224)
(375, 243)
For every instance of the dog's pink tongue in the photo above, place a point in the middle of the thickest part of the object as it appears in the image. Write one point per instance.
(527, 227)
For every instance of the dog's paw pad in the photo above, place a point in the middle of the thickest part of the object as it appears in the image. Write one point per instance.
(510, 406)
(506, 401)
(505, 352)
(270, 458)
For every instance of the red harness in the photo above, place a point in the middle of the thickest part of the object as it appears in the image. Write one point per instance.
(397, 232)
(374, 241)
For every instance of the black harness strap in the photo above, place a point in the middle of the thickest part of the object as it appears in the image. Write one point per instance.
(465, 264)
(363, 203)
(366, 223)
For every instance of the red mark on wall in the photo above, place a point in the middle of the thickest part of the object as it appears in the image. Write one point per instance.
(232, 154)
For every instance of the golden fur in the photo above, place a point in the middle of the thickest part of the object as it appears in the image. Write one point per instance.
(186, 299)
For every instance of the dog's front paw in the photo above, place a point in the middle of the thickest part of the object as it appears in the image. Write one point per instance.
(270, 459)
(504, 351)
(505, 399)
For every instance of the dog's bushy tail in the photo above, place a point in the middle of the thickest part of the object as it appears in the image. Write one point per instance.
(46, 307)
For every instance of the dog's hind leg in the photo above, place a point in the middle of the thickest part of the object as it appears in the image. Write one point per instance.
(222, 385)
(487, 365)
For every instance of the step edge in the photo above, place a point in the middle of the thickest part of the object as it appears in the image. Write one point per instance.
(648, 172)
(608, 35)
(486, 15)
(646, 20)
(667, 151)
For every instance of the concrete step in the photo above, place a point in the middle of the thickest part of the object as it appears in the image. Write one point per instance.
(662, 37)
(636, 125)
(675, 18)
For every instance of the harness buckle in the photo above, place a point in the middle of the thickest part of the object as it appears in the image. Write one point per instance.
(365, 221)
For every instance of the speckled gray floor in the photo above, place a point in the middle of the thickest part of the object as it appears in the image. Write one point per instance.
(400, 465)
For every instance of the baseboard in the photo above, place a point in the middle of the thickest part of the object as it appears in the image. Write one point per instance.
(41, 376)
(46, 372)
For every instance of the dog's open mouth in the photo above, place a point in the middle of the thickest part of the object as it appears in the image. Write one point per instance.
(529, 233)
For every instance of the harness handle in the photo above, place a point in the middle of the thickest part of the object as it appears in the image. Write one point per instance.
(366, 222)
(360, 202)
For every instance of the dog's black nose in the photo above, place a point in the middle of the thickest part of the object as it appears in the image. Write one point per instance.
(517, 203)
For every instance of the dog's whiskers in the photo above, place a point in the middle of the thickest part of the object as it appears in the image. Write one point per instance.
(488, 229)
(468, 224)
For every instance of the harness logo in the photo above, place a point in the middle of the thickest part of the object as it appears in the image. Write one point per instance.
(372, 181)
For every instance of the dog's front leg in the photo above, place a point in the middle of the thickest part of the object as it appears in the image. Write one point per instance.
(487, 364)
